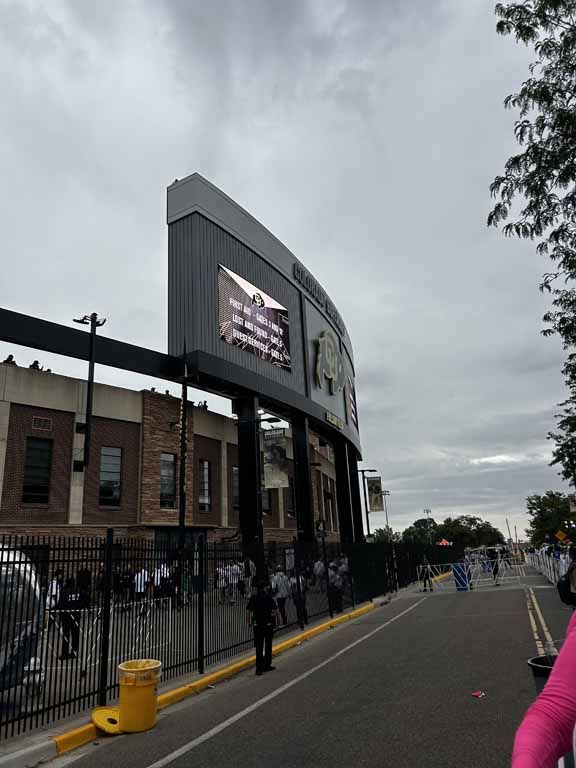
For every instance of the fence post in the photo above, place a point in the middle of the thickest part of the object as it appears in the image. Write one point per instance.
(201, 602)
(105, 624)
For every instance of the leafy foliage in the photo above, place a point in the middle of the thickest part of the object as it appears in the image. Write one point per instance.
(422, 531)
(386, 536)
(536, 194)
(463, 531)
(547, 515)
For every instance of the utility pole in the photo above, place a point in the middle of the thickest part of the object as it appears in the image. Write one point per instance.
(94, 322)
(428, 512)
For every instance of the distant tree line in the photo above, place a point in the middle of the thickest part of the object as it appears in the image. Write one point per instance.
(463, 531)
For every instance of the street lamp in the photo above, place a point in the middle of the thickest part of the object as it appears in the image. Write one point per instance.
(428, 512)
(94, 322)
(384, 494)
(364, 472)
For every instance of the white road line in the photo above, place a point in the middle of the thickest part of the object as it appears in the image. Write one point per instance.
(278, 692)
(545, 629)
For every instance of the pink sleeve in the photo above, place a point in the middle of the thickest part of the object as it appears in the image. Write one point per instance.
(545, 734)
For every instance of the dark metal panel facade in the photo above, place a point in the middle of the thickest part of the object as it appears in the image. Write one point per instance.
(196, 246)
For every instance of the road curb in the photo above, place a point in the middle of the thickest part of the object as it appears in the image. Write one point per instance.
(79, 737)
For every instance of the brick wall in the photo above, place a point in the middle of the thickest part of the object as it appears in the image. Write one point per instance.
(160, 434)
(205, 448)
(113, 433)
(61, 432)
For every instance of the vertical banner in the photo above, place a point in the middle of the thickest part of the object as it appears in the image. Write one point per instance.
(375, 502)
(275, 458)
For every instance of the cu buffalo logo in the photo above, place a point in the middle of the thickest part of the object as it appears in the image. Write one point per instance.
(329, 363)
(258, 300)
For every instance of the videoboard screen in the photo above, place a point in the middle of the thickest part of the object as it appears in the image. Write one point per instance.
(252, 320)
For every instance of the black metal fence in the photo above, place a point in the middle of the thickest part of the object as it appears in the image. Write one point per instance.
(72, 609)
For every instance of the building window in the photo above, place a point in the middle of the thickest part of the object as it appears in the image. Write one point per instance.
(37, 466)
(167, 480)
(290, 497)
(329, 511)
(266, 501)
(235, 488)
(110, 477)
(204, 483)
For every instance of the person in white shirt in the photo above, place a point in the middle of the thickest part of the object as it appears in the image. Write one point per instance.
(221, 583)
(233, 574)
(141, 584)
(320, 574)
(281, 590)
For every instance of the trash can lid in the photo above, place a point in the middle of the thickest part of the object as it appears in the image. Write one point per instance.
(541, 665)
(140, 665)
(107, 719)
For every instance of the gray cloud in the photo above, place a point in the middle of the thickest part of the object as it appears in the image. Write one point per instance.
(365, 136)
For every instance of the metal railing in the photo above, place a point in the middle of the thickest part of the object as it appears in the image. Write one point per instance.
(548, 565)
(71, 609)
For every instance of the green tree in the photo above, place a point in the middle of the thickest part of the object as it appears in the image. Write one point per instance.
(469, 531)
(538, 186)
(386, 536)
(422, 531)
(547, 514)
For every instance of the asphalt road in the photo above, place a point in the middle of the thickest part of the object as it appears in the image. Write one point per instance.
(401, 696)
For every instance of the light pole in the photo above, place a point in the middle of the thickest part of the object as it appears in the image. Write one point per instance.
(94, 322)
(384, 494)
(428, 512)
(364, 472)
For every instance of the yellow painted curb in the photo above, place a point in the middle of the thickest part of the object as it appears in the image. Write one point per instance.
(66, 742)
(79, 737)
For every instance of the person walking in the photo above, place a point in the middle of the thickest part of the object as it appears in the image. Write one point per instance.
(299, 597)
(53, 596)
(69, 606)
(261, 609)
(221, 583)
(426, 575)
(335, 588)
(281, 590)
(141, 583)
(233, 574)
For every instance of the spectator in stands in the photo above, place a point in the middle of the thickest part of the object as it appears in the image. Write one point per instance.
(281, 590)
(35, 366)
(69, 606)
(546, 733)
(10, 360)
(262, 611)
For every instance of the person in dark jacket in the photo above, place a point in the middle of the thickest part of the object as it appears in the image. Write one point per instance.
(261, 615)
(69, 606)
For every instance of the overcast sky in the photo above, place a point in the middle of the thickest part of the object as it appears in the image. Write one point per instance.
(364, 134)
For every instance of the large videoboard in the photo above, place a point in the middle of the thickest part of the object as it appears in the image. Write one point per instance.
(248, 314)
(252, 320)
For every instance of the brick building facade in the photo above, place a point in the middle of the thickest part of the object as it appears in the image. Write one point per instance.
(131, 483)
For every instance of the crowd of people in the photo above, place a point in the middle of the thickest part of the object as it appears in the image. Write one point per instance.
(166, 583)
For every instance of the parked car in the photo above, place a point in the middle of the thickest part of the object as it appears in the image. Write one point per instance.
(21, 618)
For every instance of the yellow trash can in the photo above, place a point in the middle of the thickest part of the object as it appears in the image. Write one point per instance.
(138, 680)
